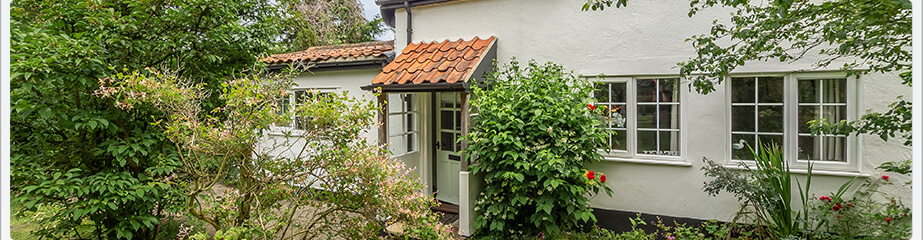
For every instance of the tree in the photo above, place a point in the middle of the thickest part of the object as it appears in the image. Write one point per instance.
(308, 23)
(105, 169)
(876, 34)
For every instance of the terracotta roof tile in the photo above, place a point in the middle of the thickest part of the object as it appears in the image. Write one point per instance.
(323, 53)
(435, 62)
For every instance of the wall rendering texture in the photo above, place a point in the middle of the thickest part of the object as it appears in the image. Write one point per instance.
(648, 39)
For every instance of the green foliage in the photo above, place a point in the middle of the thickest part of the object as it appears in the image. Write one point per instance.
(73, 151)
(767, 190)
(323, 182)
(308, 23)
(531, 138)
(863, 215)
(885, 125)
(876, 36)
(766, 193)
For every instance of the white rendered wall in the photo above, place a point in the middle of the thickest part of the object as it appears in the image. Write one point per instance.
(348, 81)
(646, 38)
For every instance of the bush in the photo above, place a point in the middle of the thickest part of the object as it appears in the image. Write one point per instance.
(533, 134)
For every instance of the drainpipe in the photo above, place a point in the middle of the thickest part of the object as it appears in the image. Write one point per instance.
(409, 21)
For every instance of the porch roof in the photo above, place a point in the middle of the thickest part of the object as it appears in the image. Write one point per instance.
(433, 66)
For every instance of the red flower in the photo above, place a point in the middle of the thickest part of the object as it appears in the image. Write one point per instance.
(885, 177)
(838, 205)
(602, 178)
(825, 198)
(589, 175)
(888, 219)
(591, 106)
(835, 208)
(837, 216)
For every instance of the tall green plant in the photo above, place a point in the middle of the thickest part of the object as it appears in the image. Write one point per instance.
(767, 191)
(533, 134)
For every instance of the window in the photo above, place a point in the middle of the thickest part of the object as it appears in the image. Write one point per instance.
(298, 97)
(644, 115)
(760, 109)
(821, 99)
(756, 114)
(402, 129)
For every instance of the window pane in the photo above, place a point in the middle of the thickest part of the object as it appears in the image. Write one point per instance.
(805, 114)
(408, 102)
(669, 143)
(458, 120)
(617, 117)
(448, 100)
(619, 140)
(647, 142)
(447, 141)
(395, 104)
(602, 92)
(647, 90)
(742, 119)
(770, 139)
(408, 118)
(396, 145)
(806, 146)
(742, 90)
(770, 89)
(668, 90)
(834, 114)
(647, 116)
(446, 119)
(618, 92)
(411, 146)
(770, 119)
(807, 91)
(834, 149)
(669, 116)
(395, 125)
(834, 90)
(740, 146)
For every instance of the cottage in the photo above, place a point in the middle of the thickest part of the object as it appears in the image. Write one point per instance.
(666, 128)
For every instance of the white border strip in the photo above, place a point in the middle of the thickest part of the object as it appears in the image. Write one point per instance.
(916, 15)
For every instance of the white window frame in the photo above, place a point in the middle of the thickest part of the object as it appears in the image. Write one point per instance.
(790, 124)
(413, 133)
(631, 153)
(291, 126)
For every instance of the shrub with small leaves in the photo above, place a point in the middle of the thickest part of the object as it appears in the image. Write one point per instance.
(532, 136)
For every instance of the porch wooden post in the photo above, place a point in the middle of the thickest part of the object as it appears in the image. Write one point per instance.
(464, 130)
(383, 119)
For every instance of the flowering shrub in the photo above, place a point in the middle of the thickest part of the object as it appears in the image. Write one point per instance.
(531, 138)
(323, 182)
(863, 214)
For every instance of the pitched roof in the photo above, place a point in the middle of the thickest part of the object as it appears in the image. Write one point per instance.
(344, 52)
(436, 62)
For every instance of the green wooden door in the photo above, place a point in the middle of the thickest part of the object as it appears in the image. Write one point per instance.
(448, 161)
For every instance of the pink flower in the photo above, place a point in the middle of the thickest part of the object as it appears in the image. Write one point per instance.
(589, 175)
(670, 237)
(885, 177)
(591, 106)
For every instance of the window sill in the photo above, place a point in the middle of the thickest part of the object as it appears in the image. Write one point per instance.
(677, 162)
(814, 172)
